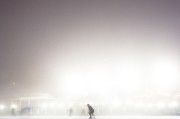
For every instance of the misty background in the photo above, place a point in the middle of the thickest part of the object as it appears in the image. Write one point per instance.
(41, 40)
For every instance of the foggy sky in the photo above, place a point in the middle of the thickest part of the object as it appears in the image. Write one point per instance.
(40, 36)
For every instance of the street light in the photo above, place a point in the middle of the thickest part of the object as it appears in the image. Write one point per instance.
(13, 106)
(2, 107)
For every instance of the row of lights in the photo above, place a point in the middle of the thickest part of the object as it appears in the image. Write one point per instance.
(115, 104)
(12, 106)
(139, 104)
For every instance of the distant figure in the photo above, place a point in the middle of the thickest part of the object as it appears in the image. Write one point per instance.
(83, 112)
(91, 111)
(26, 111)
(70, 111)
(13, 112)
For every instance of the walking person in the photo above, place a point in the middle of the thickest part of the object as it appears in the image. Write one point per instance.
(70, 111)
(91, 111)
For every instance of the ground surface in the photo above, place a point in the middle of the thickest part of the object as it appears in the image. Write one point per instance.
(98, 117)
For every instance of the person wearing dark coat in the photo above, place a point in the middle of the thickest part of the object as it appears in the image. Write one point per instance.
(91, 110)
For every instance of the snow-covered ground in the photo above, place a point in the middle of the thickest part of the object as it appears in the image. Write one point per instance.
(97, 117)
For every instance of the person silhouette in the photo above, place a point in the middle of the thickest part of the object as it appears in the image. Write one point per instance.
(13, 113)
(70, 111)
(91, 110)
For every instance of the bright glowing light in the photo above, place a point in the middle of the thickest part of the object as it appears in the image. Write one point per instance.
(116, 104)
(165, 73)
(127, 77)
(52, 105)
(160, 105)
(13, 106)
(73, 86)
(83, 81)
(2, 107)
(70, 104)
(173, 104)
(44, 105)
(60, 105)
(73, 82)
(129, 102)
(149, 105)
(139, 104)
(81, 104)
(102, 103)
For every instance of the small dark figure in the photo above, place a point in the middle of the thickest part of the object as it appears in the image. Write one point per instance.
(13, 112)
(91, 111)
(25, 111)
(70, 111)
(83, 112)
